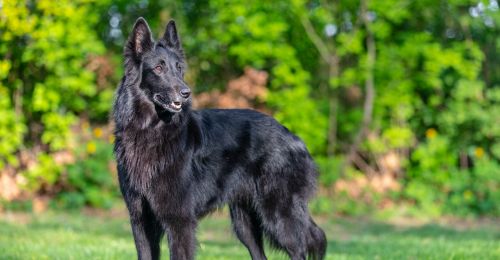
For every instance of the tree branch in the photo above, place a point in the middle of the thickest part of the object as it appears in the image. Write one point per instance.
(369, 84)
(332, 60)
(316, 40)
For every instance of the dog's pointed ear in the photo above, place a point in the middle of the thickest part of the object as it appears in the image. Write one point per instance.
(171, 37)
(140, 40)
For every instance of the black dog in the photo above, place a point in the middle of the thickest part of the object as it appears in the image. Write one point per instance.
(176, 165)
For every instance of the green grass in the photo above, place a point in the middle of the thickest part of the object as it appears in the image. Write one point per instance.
(57, 235)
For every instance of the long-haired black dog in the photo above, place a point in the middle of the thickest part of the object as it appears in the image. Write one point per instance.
(175, 165)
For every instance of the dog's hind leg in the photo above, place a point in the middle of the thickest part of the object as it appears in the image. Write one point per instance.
(248, 229)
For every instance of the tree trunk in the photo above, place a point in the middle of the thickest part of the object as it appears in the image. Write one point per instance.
(369, 88)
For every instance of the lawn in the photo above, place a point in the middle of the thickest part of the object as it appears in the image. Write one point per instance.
(84, 235)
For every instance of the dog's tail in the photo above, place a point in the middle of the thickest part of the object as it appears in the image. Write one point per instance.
(316, 242)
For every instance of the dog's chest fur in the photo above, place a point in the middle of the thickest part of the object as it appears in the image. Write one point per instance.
(150, 156)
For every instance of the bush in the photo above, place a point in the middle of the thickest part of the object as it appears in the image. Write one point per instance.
(91, 180)
(44, 81)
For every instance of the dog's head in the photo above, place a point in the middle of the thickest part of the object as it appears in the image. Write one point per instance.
(161, 65)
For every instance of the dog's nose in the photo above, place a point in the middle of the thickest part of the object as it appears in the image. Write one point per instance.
(185, 92)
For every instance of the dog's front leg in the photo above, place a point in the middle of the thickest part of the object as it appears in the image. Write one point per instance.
(181, 239)
(146, 229)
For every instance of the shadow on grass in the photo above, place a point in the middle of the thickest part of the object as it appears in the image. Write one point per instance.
(368, 239)
(432, 230)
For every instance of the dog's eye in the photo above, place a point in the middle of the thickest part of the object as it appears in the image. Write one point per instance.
(178, 66)
(158, 69)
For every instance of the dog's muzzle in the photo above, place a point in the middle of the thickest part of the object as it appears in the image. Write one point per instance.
(174, 106)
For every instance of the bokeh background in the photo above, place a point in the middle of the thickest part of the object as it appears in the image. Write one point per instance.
(397, 100)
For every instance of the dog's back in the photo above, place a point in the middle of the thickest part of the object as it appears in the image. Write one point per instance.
(252, 157)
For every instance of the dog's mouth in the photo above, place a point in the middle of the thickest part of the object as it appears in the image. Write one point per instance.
(171, 106)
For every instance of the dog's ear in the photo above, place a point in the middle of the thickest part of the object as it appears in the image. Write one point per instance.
(171, 37)
(140, 40)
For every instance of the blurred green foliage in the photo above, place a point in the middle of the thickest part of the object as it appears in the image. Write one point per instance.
(44, 83)
(435, 71)
(89, 178)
